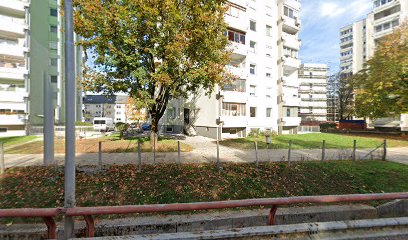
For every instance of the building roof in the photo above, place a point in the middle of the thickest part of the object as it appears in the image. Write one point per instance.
(99, 99)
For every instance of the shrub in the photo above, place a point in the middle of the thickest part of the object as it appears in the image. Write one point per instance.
(327, 126)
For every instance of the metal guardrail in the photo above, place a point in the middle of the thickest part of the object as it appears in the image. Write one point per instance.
(48, 214)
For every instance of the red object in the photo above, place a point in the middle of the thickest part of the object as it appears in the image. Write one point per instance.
(88, 212)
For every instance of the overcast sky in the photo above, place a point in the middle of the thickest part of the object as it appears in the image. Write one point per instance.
(321, 22)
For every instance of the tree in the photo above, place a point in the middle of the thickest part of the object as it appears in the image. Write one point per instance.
(122, 128)
(154, 50)
(133, 113)
(341, 93)
(383, 84)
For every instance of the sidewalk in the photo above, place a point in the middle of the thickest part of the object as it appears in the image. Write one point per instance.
(205, 151)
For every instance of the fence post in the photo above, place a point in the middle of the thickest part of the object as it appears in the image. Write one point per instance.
(323, 150)
(178, 154)
(385, 150)
(154, 147)
(139, 157)
(354, 149)
(2, 165)
(256, 154)
(289, 151)
(100, 154)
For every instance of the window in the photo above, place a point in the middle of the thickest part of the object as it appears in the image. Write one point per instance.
(252, 90)
(289, 12)
(268, 75)
(288, 112)
(237, 86)
(53, 45)
(53, 29)
(235, 36)
(252, 111)
(252, 25)
(53, 12)
(268, 112)
(54, 79)
(252, 69)
(169, 129)
(268, 31)
(234, 109)
(252, 46)
(268, 93)
(54, 62)
(171, 114)
(234, 10)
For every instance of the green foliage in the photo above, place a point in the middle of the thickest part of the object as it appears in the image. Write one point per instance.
(154, 50)
(122, 128)
(383, 84)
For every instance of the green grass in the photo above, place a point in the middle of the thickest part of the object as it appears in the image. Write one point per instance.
(123, 185)
(311, 141)
(9, 141)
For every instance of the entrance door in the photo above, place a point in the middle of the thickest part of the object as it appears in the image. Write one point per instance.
(186, 116)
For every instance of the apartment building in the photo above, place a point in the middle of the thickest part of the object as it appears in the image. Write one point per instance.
(31, 52)
(265, 46)
(359, 40)
(288, 65)
(313, 92)
(114, 107)
(14, 67)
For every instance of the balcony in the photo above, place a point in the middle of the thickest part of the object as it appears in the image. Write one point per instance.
(238, 72)
(13, 7)
(230, 121)
(238, 23)
(291, 63)
(12, 119)
(12, 51)
(290, 82)
(291, 41)
(291, 121)
(13, 73)
(12, 27)
(234, 97)
(13, 96)
(291, 101)
(291, 25)
(386, 6)
(295, 4)
(240, 51)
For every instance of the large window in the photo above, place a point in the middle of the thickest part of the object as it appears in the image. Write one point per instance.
(268, 112)
(252, 25)
(234, 11)
(289, 12)
(252, 69)
(252, 112)
(233, 109)
(252, 90)
(235, 36)
(236, 86)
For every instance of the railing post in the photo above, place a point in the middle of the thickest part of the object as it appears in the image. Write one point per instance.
(2, 164)
(100, 154)
(323, 150)
(90, 226)
(139, 157)
(51, 227)
(178, 154)
(256, 154)
(289, 151)
(384, 158)
(354, 149)
(272, 214)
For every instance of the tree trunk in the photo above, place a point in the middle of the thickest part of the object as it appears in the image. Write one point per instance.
(154, 131)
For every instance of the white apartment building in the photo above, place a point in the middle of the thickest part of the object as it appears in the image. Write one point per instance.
(114, 107)
(13, 65)
(265, 58)
(313, 92)
(359, 40)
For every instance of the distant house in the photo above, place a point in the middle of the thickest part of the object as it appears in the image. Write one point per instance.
(105, 106)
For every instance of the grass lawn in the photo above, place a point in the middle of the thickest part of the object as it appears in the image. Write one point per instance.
(110, 144)
(313, 140)
(9, 141)
(122, 185)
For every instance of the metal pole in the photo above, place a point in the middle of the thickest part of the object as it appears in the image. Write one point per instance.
(48, 106)
(218, 153)
(256, 154)
(178, 151)
(289, 151)
(154, 147)
(100, 154)
(324, 150)
(354, 149)
(70, 90)
(385, 150)
(2, 164)
(139, 157)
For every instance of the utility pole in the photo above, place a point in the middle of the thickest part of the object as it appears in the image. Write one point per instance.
(48, 122)
(70, 91)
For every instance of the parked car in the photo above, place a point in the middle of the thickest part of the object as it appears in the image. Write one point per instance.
(103, 124)
(146, 127)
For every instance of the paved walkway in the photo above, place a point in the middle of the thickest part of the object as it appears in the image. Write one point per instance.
(205, 151)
